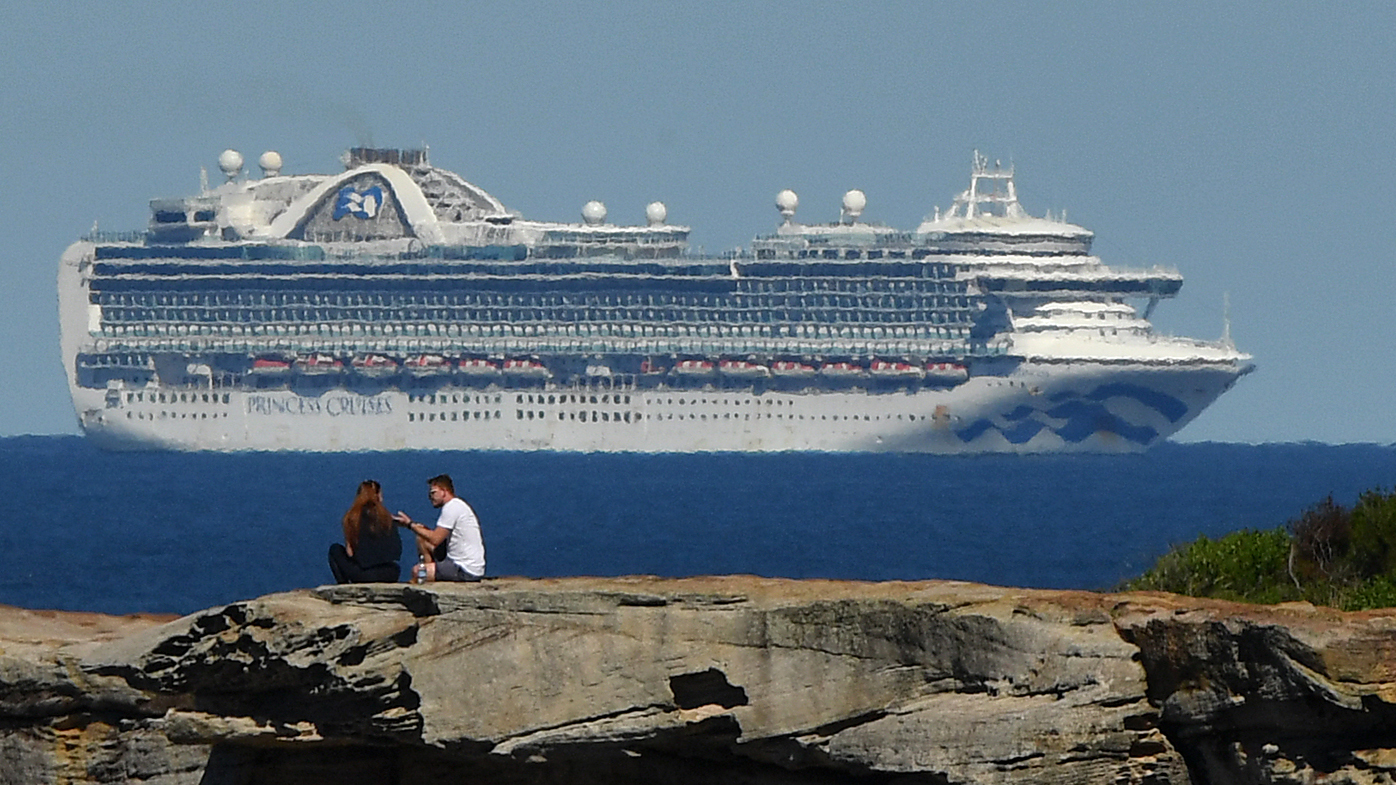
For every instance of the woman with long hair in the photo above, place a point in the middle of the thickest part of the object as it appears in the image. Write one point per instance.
(372, 547)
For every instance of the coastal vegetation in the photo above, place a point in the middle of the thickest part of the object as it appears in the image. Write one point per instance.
(1330, 555)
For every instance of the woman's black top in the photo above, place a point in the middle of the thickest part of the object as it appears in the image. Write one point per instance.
(376, 548)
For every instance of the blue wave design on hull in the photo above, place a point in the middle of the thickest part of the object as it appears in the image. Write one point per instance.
(1164, 404)
(1085, 415)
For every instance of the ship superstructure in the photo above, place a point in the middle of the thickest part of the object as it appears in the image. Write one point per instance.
(395, 305)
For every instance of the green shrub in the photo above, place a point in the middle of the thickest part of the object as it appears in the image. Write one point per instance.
(1246, 565)
(1328, 556)
(1374, 533)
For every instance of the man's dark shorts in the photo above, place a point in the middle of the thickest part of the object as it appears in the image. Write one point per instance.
(447, 570)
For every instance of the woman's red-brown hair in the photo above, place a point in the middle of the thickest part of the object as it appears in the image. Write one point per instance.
(368, 505)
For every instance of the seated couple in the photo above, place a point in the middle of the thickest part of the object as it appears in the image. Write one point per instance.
(453, 551)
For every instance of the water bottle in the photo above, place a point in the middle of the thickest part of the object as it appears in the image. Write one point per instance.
(419, 572)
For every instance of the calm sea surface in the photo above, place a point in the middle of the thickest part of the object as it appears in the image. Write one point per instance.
(166, 532)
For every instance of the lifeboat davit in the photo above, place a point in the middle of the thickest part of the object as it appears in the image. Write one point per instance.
(893, 369)
(946, 373)
(526, 367)
(742, 369)
(427, 365)
(477, 366)
(270, 366)
(791, 369)
(316, 364)
(374, 365)
(693, 368)
(842, 370)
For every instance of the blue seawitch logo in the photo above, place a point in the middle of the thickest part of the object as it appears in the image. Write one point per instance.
(1080, 416)
(360, 204)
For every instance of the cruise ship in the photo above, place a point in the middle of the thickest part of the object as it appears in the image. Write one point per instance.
(397, 306)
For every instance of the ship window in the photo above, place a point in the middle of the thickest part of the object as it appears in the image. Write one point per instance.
(411, 417)
(562, 415)
(605, 417)
(453, 416)
(518, 399)
(530, 414)
(550, 399)
(519, 412)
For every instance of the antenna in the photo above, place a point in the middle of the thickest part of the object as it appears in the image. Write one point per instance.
(1226, 321)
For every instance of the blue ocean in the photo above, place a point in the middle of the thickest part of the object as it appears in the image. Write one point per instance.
(174, 533)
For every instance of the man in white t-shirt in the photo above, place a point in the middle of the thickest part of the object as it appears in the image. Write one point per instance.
(457, 527)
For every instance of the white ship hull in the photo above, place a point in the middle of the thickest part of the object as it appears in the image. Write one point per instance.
(1078, 407)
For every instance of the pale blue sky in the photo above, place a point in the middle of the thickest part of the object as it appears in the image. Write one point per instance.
(1251, 146)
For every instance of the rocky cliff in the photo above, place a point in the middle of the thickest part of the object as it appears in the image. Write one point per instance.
(731, 680)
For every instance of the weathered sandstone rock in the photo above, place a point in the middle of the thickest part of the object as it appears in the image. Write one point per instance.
(730, 679)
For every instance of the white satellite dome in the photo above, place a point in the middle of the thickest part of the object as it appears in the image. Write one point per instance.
(594, 213)
(786, 203)
(230, 161)
(853, 203)
(270, 163)
(656, 213)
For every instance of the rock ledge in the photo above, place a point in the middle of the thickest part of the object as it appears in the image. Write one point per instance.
(721, 679)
